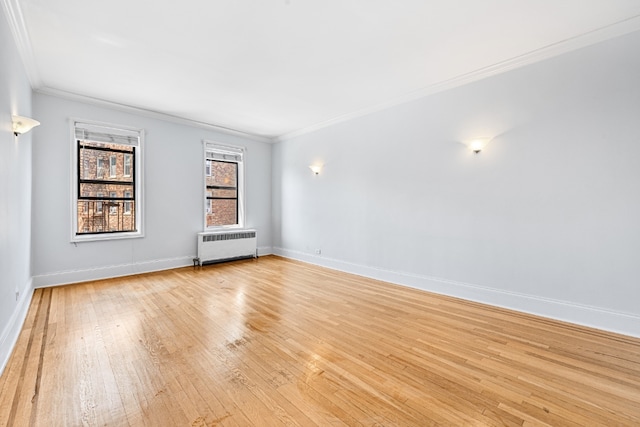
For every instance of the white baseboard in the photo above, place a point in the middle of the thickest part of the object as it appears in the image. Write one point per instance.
(11, 332)
(265, 250)
(107, 272)
(595, 317)
(77, 276)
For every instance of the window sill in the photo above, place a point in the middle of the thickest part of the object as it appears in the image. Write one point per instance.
(224, 228)
(106, 236)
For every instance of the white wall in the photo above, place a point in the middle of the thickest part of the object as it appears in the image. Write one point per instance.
(15, 194)
(173, 195)
(545, 220)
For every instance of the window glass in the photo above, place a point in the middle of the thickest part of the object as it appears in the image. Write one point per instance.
(112, 166)
(127, 203)
(127, 165)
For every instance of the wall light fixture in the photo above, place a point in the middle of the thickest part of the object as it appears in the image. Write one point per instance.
(478, 144)
(316, 169)
(23, 124)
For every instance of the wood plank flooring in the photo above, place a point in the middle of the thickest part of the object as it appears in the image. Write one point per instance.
(273, 342)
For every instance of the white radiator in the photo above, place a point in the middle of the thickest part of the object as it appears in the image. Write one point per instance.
(226, 245)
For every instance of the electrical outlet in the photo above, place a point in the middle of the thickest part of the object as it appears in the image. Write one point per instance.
(318, 251)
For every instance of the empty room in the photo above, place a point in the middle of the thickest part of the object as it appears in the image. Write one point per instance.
(311, 213)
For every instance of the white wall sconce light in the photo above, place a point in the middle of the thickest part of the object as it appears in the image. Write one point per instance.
(316, 169)
(23, 124)
(478, 144)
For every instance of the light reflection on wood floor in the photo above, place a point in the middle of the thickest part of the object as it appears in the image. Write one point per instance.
(272, 342)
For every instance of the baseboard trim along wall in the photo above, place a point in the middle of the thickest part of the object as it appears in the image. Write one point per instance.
(11, 331)
(594, 317)
(107, 272)
(265, 250)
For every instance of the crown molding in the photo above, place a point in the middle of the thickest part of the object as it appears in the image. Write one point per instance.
(18, 28)
(573, 43)
(23, 42)
(151, 114)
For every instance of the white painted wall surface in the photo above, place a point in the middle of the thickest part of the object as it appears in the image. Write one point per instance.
(173, 195)
(545, 220)
(15, 194)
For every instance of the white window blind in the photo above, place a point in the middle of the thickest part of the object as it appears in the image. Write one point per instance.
(224, 153)
(91, 132)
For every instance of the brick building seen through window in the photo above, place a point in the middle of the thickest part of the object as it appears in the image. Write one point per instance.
(221, 202)
(106, 188)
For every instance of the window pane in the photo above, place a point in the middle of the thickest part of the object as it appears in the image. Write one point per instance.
(127, 204)
(225, 194)
(85, 169)
(113, 205)
(223, 212)
(127, 165)
(223, 174)
(100, 169)
(112, 166)
(99, 202)
(94, 217)
(92, 189)
(99, 163)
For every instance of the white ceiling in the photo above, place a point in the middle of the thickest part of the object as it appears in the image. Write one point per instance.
(280, 67)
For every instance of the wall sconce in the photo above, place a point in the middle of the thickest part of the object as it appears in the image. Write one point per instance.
(23, 124)
(478, 144)
(316, 169)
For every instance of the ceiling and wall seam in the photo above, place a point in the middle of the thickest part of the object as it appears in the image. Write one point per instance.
(583, 40)
(151, 114)
(21, 35)
(23, 42)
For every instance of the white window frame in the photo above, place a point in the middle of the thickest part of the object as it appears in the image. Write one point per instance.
(230, 152)
(136, 136)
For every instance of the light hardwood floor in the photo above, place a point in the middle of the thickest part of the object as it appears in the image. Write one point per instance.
(272, 342)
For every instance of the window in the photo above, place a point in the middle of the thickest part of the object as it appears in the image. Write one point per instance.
(100, 170)
(127, 165)
(106, 201)
(207, 201)
(85, 168)
(99, 197)
(85, 205)
(224, 186)
(112, 166)
(113, 205)
(127, 203)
